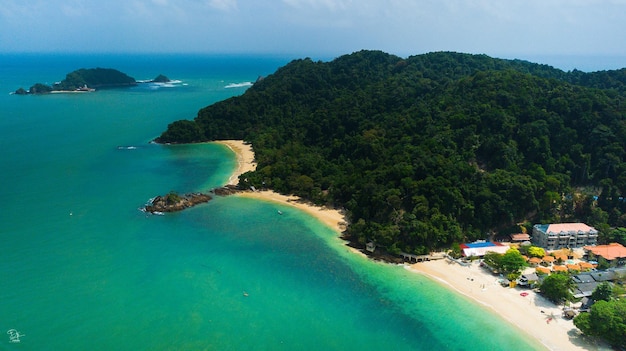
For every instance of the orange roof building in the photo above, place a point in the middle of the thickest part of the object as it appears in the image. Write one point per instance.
(544, 270)
(561, 257)
(559, 269)
(586, 266)
(610, 252)
(573, 267)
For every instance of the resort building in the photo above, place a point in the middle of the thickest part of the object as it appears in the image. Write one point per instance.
(586, 283)
(564, 235)
(480, 248)
(614, 253)
(520, 238)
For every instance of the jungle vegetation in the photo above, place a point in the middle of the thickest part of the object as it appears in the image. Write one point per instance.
(95, 78)
(431, 150)
(607, 320)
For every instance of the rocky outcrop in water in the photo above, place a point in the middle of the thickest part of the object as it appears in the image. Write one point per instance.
(161, 79)
(173, 202)
(227, 190)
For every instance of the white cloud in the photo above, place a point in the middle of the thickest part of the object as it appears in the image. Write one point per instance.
(74, 9)
(224, 5)
(331, 5)
(336, 26)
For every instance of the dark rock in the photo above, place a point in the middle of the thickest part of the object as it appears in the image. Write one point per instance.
(161, 79)
(227, 190)
(21, 91)
(173, 202)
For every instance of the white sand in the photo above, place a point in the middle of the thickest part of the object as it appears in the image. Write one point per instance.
(245, 158)
(525, 312)
(246, 162)
(330, 217)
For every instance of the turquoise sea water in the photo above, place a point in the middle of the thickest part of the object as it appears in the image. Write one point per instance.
(82, 269)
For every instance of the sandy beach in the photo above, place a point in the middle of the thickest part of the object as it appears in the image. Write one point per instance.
(534, 315)
(245, 158)
(246, 162)
(330, 217)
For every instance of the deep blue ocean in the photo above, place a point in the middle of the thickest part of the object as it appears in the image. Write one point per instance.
(81, 268)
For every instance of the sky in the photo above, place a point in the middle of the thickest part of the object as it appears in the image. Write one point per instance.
(316, 28)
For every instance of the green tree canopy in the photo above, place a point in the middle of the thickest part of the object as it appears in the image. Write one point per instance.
(604, 291)
(492, 259)
(607, 320)
(557, 287)
(95, 78)
(183, 131)
(40, 89)
(535, 251)
(512, 263)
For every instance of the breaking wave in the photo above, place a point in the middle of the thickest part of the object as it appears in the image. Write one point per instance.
(152, 85)
(238, 85)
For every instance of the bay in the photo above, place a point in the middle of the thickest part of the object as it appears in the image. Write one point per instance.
(82, 268)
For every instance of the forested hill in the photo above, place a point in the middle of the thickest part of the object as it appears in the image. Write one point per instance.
(95, 78)
(434, 149)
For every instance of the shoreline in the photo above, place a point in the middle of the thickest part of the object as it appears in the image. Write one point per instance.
(330, 217)
(534, 315)
(246, 162)
(530, 314)
(244, 155)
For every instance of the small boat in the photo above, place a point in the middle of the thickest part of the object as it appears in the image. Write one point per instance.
(280, 212)
(158, 213)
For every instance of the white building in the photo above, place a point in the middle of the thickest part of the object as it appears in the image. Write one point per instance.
(564, 235)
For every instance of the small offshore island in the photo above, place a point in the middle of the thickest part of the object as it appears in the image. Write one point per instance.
(88, 80)
(173, 202)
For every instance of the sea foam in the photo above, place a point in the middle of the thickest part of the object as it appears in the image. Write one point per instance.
(238, 85)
